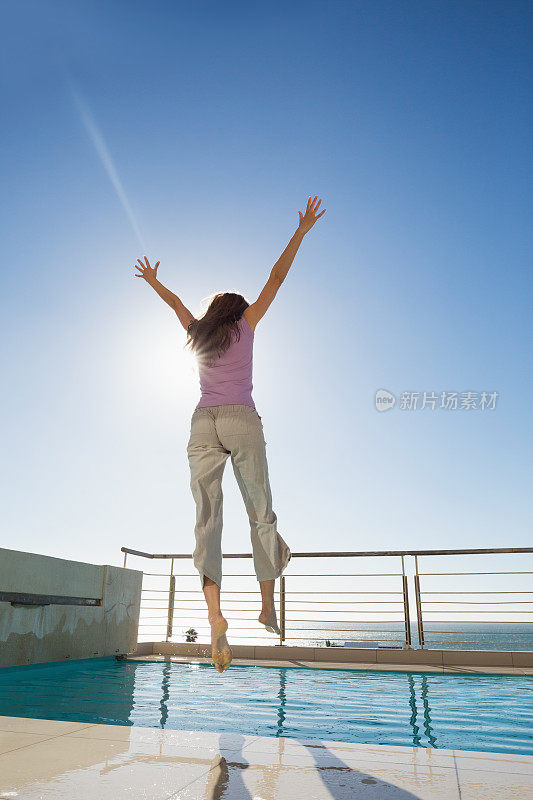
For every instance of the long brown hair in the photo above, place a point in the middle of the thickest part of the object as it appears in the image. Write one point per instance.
(211, 335)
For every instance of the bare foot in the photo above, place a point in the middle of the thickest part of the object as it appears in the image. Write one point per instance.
(220, 649)
(268, 618)
(225, 656)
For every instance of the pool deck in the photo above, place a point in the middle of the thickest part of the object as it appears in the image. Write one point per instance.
(501, 662)
(361, 665)
(55, 760)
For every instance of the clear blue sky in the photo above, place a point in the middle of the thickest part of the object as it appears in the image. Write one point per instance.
(193, 132)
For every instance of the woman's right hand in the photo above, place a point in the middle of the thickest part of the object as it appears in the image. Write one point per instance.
(147, 272)
(308, 219)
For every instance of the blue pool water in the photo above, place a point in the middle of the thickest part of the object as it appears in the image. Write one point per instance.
(493, 713)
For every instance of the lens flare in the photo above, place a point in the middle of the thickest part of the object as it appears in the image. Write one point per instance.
(101, 148)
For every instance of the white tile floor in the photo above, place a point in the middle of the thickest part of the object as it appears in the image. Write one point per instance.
(54, 760)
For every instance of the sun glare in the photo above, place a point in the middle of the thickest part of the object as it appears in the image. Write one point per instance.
(157, 369)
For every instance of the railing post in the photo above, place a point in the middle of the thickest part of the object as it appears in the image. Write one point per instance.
(419, 606)
(406, 607)
(282, 609)
(125, 557)
(171, 591)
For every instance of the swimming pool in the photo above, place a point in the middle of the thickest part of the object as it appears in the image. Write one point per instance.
(492, 713)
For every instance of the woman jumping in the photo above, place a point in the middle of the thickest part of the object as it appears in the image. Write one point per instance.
(226, 423)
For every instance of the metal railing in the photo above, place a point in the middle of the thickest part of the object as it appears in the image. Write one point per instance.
(371, 605)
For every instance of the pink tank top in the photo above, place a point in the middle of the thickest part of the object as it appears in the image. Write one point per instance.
(229, 380)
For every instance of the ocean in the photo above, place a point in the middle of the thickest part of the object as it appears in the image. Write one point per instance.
(458, 635)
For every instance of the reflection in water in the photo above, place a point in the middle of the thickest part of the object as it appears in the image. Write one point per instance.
(428, 730)
(412, 703)
(427, 718)
(282, 701)
(165, 686)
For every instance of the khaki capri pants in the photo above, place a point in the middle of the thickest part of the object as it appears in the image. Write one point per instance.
(237, 431)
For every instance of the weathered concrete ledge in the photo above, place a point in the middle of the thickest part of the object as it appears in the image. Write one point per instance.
(512, 659)
(41, 619)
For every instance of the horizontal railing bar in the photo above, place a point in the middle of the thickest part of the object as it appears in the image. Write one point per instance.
(206, 625)
(329, 639)
(289, 619)
(371, 621)
(328, 621)
(490, 591)
(345, 575)
(348, 554)
(366, 591)
(299, 638)
(340, 611)
(335, 601)
(226, 575)
(336, 621)
(348, 630)
(366, 621)
(193, 608)
(310, 591)
(188, 609)
(317, 618)
(388, 602)
(475, 573)
(309, 575)
(311, 602)
(477, 602)
(295, 574)
(358, 602)
(481, 633)
(195, 599)
(222, 591)
(468, 641)
(228, 616)
(342, 630)
(158, 574)
(205, 641)
(477, 611)
(308, 637)
(484, 621)
(241, 629)
(325, 620)
(203, 608)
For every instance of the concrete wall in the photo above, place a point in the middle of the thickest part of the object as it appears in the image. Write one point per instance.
(31, 634)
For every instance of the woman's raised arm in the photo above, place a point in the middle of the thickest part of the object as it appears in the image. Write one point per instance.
(150, 276)
(280, 269)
